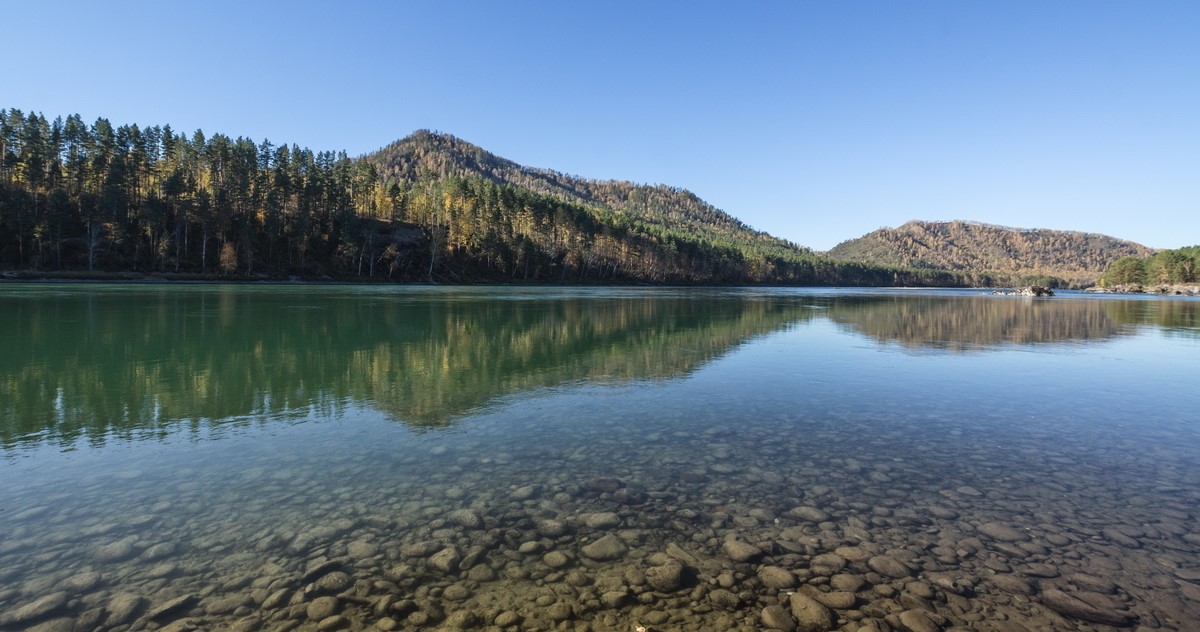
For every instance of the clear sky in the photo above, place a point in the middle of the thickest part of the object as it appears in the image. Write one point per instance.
(815, 121)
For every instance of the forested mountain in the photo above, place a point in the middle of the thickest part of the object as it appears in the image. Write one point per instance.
(1016, 254)
(148, 200)
(75, 196)
(427, 154)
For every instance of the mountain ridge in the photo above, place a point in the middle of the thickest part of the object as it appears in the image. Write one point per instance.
(428, 207)
(1077, 258)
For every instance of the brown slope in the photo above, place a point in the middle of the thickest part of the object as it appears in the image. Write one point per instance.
(1076, 257)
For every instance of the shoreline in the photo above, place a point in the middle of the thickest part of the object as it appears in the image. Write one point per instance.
(168, 278)
(1157, 289)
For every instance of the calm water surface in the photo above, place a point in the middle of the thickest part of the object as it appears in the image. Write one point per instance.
(329, 457)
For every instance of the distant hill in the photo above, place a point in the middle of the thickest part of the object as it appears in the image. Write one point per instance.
(1015, 254)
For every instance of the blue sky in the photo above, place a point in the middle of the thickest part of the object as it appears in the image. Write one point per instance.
(815, 121)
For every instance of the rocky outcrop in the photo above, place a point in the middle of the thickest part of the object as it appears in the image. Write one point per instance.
(1032, 290)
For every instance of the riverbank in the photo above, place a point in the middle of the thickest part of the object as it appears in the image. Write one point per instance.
(1164, 289)
(45, 276)
(83, 276)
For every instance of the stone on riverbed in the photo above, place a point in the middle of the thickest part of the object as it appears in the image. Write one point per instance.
(506, 619)
(466, 519)
(837, 599)
(810, 614)
(333, 583)
(322, 608)
(722, 598)
(918, 621)
(335, 622)
(35, 610)
(1012, 584)
(551, 528)
(847, 582)
(889, 567)
(361, 550)
(777, 618)
(446, 560)
(556, 559)
(827, 563)
(171, 608)
(1092, 583)
(420, 549)
(79, 582)
(601, 520)
(609, 547)
(665, 578)
(741, 552)
(123, 607)
(118, 551)
(603, 485)
(776, 577)
(1076, 607)
(1002, 532)
(809, 514)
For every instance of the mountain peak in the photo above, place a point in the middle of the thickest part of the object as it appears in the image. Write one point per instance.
(438, 155)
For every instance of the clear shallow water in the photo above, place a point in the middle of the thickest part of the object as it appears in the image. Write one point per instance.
(278, 457)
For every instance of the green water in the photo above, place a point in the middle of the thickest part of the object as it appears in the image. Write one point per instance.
(253, 449)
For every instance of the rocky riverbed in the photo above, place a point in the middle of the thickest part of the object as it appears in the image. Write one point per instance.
(917, 528)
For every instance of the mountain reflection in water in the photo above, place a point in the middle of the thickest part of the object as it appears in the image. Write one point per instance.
(983, 322)
(84, 362)
(257, 457)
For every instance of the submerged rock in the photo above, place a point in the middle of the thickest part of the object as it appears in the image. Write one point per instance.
(776, 577)
(322, 608)
(777, 618)
(1071, 606)
(918, 621)
(810, 614)
(446, 560)
(123, 607)
(171, 608)
(741, 552)
(809, 514)
(602, 520)
(118, 551)
(79, 582)
(603, 485)
(609, 547)
(466, 518)
(665, 578)
(837, 599)
(889, 567)
(37, 609)
(556, 559)
(1002, 532)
